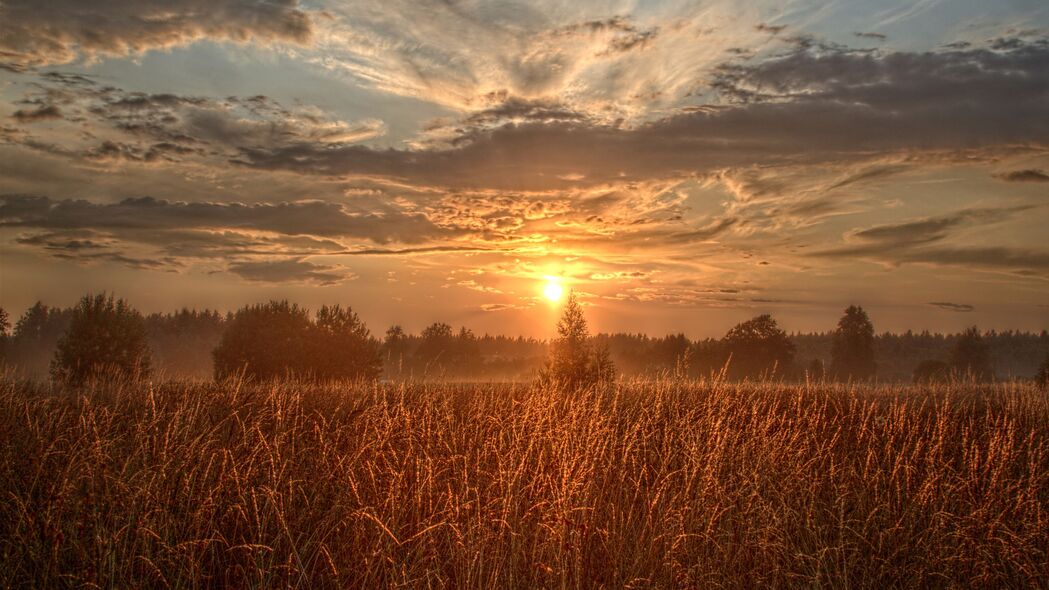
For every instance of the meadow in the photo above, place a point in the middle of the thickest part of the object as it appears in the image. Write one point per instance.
(668, 483)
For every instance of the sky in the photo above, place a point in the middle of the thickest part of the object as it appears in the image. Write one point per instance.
(680, 166)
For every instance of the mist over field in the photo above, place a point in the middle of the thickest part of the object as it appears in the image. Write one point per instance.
(182, 344)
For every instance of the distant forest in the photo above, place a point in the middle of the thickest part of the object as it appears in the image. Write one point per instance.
(182, 344)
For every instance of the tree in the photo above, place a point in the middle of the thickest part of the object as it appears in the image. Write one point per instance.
(279, 339)
(932, 371)
(105, 337)
(573, 361)
(265, 341)
(603, 369)
(466, 352)
(852, 350)
(435, 348)
(182, 342)
(5, 334)
(970, 357)
(758, 348)
(395, 349)
(444, 351)
(342, 347)
(816, 371)
(36, 334)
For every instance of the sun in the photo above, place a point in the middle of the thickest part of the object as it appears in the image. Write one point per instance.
(553, 291)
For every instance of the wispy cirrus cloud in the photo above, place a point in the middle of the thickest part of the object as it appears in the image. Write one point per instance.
(457, 54)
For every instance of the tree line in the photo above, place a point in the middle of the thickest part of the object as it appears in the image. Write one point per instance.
(102, 333)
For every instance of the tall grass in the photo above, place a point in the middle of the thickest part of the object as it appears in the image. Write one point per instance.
(667, 484)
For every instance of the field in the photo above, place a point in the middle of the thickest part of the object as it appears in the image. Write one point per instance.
(663, 484)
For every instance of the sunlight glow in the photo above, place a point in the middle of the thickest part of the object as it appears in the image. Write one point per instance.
(553, 290)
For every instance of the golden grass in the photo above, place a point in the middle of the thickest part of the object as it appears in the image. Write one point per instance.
(664, 484)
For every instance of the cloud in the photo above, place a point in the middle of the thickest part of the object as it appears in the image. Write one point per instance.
(1029, 175)
(932, 229)
(42, 113)
(422, 250)
(936, 228)
(776, 198)
(66, 241)
(835, 103)
(511, 109)
(542, 169)
(620, 33)
(959, 307)
(894, 80)
(501, 306)
(841, 105)
(238, 253)
(868, 35)
(770, 29)
(456, 55)
(142, 127)
(263, 242)
(289, 271)
(619, 275)
(924, 241)
(316, 218)
(59, 31)
(1022, 261)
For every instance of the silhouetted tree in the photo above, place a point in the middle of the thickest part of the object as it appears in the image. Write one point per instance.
(342, 347)
(264, 341)
(932, 371)
(36, 334)
(395, 349)
(815, 370)
(970, 357)
(278, 339)
(1043, 373)
(5, 334)
(571, 357)
(604, 370)
(573, 361)
(435, 348)
(105, 337)
(182, 342)
(852, 350)
(467, 350)
(758, 348)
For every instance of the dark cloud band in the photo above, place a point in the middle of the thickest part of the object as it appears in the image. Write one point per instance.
(811, 106)
(35, 33)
